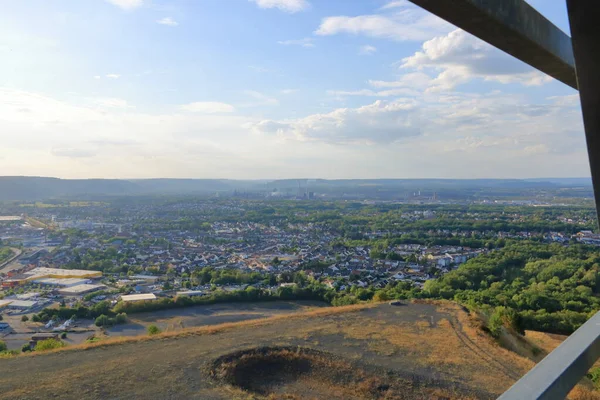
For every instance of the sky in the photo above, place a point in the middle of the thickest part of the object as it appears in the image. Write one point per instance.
(271, 89)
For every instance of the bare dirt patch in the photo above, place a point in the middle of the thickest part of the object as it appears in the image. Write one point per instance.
(300, 372)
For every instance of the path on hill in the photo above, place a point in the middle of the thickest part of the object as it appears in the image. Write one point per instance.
(490, 359)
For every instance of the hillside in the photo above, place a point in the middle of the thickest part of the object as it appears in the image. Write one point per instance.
(28, 188)
(415, 351)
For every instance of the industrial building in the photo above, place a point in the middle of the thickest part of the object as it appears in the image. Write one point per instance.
(21, 304)
(80, 289)
(129, 298)
(4, 303)
(191, 293)
(51, 276)
(69, 282)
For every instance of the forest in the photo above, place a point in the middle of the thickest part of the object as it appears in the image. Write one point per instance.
(553, 288)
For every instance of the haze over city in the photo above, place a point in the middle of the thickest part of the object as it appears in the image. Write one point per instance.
(273, 89)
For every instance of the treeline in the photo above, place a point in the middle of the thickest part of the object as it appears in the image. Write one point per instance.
(105, 315)
(79, 311)
(313, 291)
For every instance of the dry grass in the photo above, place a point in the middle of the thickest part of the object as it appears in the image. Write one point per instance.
(211, 329)
(545, 341)
(302, 372)
(436, 343)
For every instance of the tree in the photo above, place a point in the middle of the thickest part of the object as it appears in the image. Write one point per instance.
(26, 347)
(3, 346)
(102, 320)
(24, 318)
(121, 318)
(48, 344)
(153, 330)
(1, 318)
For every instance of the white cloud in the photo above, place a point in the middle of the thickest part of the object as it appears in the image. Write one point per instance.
(409, 80)
(571, 100)
(127, 4)
(306, 42)
(379, 122)
(409, 24)
(289, 6)
(112, 102)
(113, 76)
(374, 93)
(167, 21)
(460, 57)
(395, 4)
(461, 134)
(261, 99)
(208, 107)
(97, 77)
(367, 50)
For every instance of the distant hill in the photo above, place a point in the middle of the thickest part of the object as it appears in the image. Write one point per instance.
(41, 188)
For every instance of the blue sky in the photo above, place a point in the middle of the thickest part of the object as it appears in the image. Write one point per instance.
(272, 89)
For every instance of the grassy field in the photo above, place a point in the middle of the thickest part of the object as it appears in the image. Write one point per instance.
(181, 318)
(416, 351)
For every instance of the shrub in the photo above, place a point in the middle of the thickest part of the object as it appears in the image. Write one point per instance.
(36, 318)
(24, 318)
(121, 318)
(153, 330)
(102, 320)
(25, 348)
(594, 375)
(3, 346)
(48, 344)
(63, 335)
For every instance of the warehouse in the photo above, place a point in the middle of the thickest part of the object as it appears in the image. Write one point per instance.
(21, 304)
(43, 272)
(129, 298)
(5, 303)
(68, 282)
(80, 289)
(191, 293)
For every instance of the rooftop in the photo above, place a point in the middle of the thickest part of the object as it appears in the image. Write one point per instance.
(138, 297)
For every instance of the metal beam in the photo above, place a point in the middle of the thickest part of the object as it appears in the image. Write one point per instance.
(555, 376)
(584, 17)
(514, 27)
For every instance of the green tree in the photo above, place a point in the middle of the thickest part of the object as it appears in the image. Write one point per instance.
(121, 318)
(153, 330)
(48, 344)
(24, 318)
(3, 346)
(102, 320)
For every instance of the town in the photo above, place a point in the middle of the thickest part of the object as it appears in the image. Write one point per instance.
(88, 253)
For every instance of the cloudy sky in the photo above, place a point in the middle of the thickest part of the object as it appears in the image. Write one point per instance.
(272, 89)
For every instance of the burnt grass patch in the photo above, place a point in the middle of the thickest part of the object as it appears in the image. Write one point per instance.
(290, 370)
